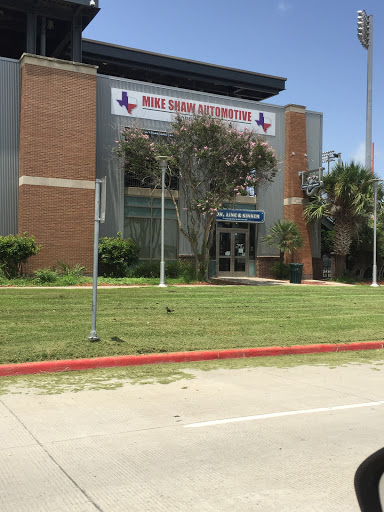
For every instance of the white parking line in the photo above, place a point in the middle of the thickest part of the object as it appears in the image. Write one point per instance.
(280, 414)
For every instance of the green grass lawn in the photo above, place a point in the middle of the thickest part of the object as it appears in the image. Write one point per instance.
(43, 324)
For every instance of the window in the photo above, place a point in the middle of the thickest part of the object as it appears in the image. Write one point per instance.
(132, 180)
(142, 222)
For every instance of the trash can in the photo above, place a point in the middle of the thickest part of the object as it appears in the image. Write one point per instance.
(295, 272)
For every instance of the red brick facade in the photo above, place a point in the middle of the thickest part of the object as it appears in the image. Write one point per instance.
(57, 159)
(264, 266)
(294, 198)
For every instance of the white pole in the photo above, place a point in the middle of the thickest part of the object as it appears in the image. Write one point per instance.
(368, 135)
(93, 336)
(374, 270)
(163, 166)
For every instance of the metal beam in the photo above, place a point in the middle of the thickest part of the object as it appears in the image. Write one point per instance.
(77, 39)
(31, 33)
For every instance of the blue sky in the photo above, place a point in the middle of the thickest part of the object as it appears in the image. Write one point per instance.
(312, 44)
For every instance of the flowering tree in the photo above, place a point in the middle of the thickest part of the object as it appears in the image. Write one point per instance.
(214, 163)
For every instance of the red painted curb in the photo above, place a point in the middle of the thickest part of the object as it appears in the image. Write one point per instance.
(7, 370)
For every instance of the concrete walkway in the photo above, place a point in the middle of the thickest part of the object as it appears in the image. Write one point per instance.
(255, 439)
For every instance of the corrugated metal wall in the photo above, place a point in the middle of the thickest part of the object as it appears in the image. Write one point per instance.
(270, 197)
(9, 145)
(314, 124)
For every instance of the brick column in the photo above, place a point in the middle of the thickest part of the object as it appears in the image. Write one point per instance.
(57, 159)
(294, 198)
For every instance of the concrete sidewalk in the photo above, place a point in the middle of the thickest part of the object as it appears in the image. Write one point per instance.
(259, 281)
(276, 440)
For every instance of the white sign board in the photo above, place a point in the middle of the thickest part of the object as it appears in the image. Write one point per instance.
(164, 108)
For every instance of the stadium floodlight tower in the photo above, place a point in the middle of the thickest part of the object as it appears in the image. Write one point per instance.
(365, 36)
(329, 156)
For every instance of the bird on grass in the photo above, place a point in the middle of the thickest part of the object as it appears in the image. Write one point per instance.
(169, 310)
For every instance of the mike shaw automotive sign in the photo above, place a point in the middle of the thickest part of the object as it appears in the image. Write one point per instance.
(163, 108)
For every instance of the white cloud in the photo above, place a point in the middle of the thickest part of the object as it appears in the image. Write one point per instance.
(359, 154)
(283, 6)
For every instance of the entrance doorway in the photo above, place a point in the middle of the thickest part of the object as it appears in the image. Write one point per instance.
(232, 253)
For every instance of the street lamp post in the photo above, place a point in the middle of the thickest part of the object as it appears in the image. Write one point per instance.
(374, 271)
(163, 161)
(365, 35)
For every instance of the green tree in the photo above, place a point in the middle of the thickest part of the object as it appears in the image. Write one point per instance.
(346, 197)
(213, 162)
(286, 236)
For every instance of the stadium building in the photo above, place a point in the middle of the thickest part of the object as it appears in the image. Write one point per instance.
(64, 101)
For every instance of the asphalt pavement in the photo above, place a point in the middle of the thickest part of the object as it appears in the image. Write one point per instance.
(263, 439)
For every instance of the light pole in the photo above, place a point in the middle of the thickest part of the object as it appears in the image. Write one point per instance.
(329, 156)
(163, 161)
(365, 35)
(374, 270)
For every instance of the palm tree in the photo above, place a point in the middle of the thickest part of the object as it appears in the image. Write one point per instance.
(285, 235)
(347, 198)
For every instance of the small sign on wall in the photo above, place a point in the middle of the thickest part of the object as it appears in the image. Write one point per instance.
(240, 216)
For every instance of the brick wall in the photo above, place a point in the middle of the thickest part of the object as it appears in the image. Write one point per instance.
(295, 162)
(264, 265)
(57, 159)
(62, 221)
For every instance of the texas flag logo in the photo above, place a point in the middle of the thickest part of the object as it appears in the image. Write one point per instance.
(263, 122)
(128, 103)
(123, 103)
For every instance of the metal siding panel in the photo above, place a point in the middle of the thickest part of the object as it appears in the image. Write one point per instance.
(109, 127)
(314, 127)
(107, 163)
(270, 197)
(9, 145)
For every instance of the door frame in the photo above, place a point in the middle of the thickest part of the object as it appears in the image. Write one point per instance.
(232, 272)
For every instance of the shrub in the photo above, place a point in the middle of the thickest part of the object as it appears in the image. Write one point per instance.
(3, 278)
(46, 275)
(68, 280)
(180, 269)
(173, 270)
(146, 269)
(280, 270)
(117, 255)
(14, 251)
(74, 271)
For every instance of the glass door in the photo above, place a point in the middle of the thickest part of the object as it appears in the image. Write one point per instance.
(240, 253)
(232, 252)
(224, 252)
